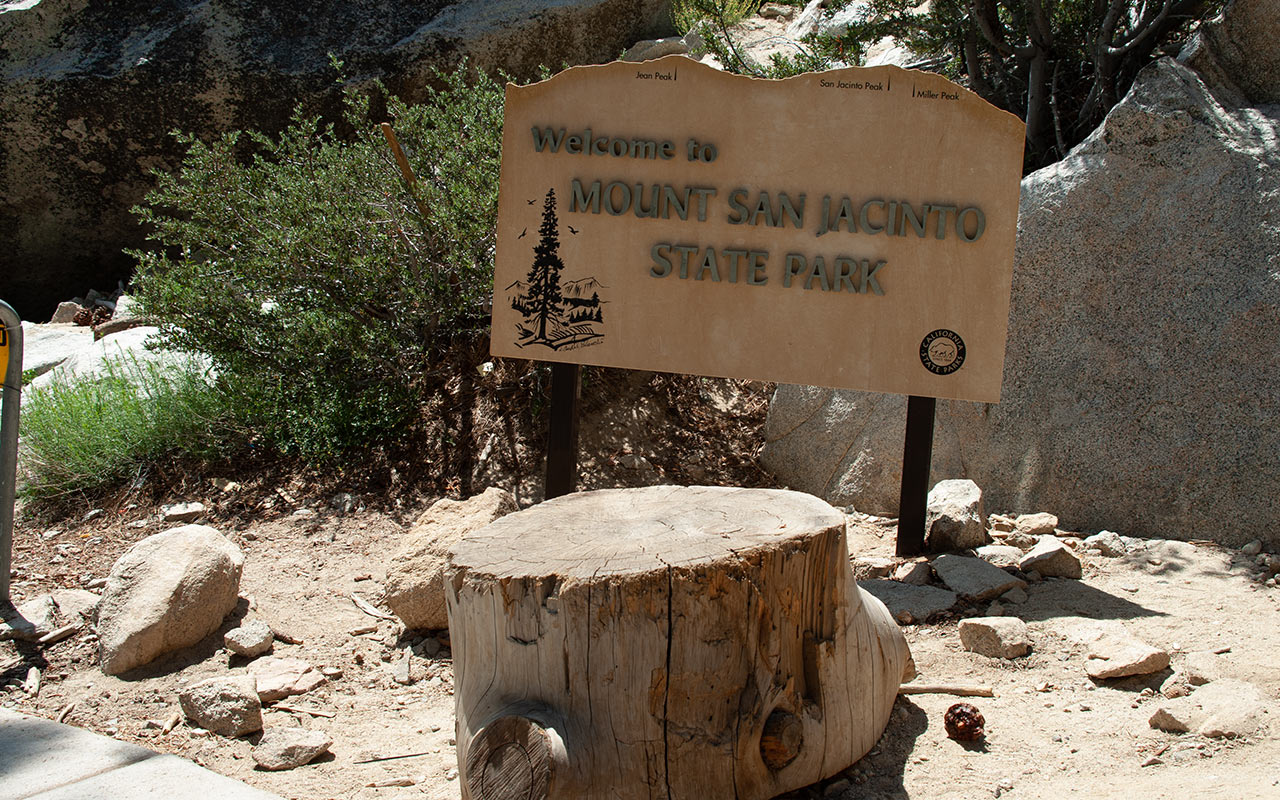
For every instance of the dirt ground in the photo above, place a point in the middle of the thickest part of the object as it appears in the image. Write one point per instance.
(1051, 731)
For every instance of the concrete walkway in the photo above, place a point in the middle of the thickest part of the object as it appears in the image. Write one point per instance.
(46, 760)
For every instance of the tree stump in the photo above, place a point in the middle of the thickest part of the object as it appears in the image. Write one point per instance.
(667, 642)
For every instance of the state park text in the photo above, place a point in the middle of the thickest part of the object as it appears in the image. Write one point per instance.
(937, 220)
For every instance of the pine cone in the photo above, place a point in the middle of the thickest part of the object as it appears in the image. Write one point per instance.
(964, 723)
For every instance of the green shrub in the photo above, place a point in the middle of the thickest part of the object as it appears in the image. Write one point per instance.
(321, 286)
(88, 434)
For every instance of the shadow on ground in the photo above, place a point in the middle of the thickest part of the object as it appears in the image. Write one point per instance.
(881, 773)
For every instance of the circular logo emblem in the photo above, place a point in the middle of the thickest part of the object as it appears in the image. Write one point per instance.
(942, 352)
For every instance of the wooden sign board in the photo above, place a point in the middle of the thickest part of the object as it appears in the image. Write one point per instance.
(852, 229)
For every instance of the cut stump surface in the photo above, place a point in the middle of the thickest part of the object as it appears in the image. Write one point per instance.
(665, 642)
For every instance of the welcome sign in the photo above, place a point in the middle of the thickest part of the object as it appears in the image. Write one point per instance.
(852, 229)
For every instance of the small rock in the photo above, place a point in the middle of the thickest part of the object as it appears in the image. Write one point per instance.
(1121, 655)
(1036, 524)
(973, 577)
(1108, 543)
(1051, 559)
(955, 518)
(996, 637)
(402, 673)
(1175, 686)
(655, 48)
(92, 515)
(182, 512)
(1153, 761)
(915, 573)
(286, 748)
(1000, 555)
(279, 678)
(52, 533)
(1200, 668)
(35, 618)
(867, 567)
(415, 587)
(332, 673)
(66, 312)
(226, 705)
(75, 606)
(1232, 708)
(1252, 548)
(343, 502)
(909, 604)
(1173, 719)
(769, 11)
(1020, 540)
(996, 609)
(1015, 596)
(250, 640)
(836, 788)
(304, 513)
(1001, 523)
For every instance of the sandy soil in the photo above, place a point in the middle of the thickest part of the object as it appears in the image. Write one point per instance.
(1052, 732)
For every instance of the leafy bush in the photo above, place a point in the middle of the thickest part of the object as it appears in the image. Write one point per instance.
(1060, 65)
(88, 434)
(686, 14)
(322, 284)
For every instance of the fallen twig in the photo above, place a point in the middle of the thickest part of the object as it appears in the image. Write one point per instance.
(284, 636)
(368, 608)
(171, 723)
(66, 711)
(315, 712)
(391, 758)
(55, 636)
(946, 688)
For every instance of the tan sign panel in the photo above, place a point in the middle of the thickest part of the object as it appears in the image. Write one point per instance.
(852, 229)
(4, 352)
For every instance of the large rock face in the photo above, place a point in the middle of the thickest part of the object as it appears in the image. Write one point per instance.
(91, 91)
(1139, 390)
(166, 592)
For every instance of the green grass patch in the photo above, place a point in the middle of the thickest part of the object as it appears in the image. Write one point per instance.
(86, 435)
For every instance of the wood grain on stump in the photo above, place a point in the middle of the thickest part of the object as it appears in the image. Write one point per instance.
(665, 642)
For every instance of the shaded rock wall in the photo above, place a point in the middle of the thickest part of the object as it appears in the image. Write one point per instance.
(91, 90)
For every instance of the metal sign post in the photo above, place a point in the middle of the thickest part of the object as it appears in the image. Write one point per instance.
(11, 372)
(917, 453)
(562, 430)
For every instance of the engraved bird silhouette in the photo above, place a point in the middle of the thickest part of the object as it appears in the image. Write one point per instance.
(573, 230)
(522, 233)
(530, 202)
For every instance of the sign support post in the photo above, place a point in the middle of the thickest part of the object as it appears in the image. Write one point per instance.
(11, 374)
(917, 453)
(562, 429)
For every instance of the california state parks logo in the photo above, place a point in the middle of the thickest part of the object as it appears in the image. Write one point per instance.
(942, 352)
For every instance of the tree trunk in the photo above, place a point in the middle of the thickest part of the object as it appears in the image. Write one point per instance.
(665, 642)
